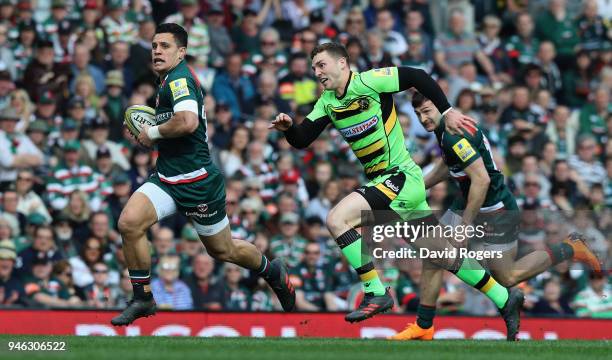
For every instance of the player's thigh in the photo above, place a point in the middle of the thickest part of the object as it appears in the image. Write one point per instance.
(217, 238)
(347, 213)
(147, 205)
(398, 195)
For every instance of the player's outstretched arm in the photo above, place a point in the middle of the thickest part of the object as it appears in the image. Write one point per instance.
(181, 124)
(455, 121)
(479, 186)
(302, 135)
(437, 174)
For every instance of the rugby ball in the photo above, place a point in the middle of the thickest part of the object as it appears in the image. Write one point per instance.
(136, 116)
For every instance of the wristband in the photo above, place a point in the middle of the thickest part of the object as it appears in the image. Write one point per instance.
(446, 111)
(153, 133)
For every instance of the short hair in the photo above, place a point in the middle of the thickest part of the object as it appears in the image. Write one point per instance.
(179, 33)
(418, 99)
(334, 49)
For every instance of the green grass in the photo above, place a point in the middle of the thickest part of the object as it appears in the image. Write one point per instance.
(169, 348)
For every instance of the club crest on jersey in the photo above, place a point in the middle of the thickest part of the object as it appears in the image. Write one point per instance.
(364, 104)
(464, 150)
(203, 208)
(358, 129)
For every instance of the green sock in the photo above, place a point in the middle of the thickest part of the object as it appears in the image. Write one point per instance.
(473, 274)
(425, 316)
(560, 252)
(350, 243)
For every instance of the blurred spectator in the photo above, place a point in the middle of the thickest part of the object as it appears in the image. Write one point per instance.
(122, 189)
(23, 50)
(458, 47)
(270, 59)
(562, 131)
(328, 197)
(163, 244)
(233, 158)
(556, 25)
(583, 223)
(297, 12)
(245, 33)
(288, 244)
(375, 54)
(199, 40)
(81, 64)
(522, 47)
(140, 167)
(29, 201)
(299, 86)
(220, 41)
(20, 101)
(257, 168)
(169, 291)
(235, 296)
(593, 116)
(71, 174)
(551, 302)
(233, 88)
(101, 294)
(77, 213)
(519, 117)
(42, 74)
(393, 42)
(12, 291)
(414, 29)
(313, 282)
(140, 50)
(592, 27)
(46, 290)
(530, 166)
(43, 247)
(6, 86)
(267, 92)
(62, 272)
(189, 247)
(551, 75)
(100, 130)
(566, 186)
(578, 82)
(116, 25)
(532, 196)
(596, 299)
(585, 163)
(206, 292)
(416, 57)
(7, 60)
(17, 149)
(91, 252)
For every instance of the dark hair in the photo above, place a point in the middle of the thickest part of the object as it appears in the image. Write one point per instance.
(418, 99)
(180, 35)
(336, 50)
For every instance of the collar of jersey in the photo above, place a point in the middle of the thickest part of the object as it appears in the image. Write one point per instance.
(160, 81)
(351, 75)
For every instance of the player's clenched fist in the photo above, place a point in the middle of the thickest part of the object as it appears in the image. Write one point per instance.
(282, 122)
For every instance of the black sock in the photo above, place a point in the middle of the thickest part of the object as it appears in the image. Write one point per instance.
(425, 316)
(141, 283)
(266, 270)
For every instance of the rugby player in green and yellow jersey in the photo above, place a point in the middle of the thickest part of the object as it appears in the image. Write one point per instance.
(361, 107)
(485, 199)
(186, 181)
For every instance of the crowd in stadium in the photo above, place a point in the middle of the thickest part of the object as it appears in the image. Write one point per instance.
(536, 74)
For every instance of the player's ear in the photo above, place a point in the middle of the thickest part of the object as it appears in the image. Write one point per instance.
(182, 52)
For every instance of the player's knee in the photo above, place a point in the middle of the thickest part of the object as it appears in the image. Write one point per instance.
(505, 280)
(130, 224)
(335, 223)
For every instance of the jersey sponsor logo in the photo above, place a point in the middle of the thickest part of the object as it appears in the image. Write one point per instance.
(364, 104)
(392, 186)
(179, 88)
(163, 117)
(464, 150)
(358, 129)
(382, 72)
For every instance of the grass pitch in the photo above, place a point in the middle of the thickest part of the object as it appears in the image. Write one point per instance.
(182, 348)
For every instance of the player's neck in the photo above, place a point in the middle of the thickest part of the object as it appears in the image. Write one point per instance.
(341, 90)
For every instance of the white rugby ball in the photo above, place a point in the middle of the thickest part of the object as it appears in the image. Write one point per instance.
(136, 116)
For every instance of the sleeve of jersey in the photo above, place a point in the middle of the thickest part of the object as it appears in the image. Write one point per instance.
(300, 136)
(383, 80)
(462, 149)
(183, 94)
(420, 80)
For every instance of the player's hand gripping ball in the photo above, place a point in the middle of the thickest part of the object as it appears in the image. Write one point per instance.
(137, 116)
